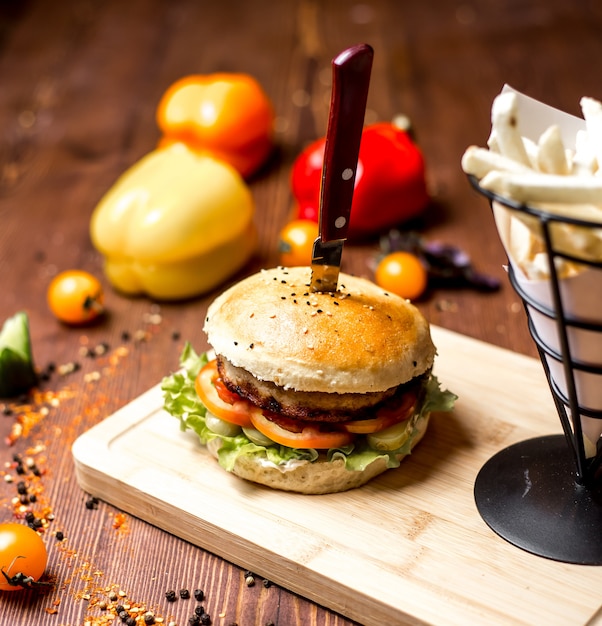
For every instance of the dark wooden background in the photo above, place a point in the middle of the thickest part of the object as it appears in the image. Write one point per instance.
(79, 84)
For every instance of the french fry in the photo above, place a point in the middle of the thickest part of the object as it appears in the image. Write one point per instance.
(525, 239)
(551, 156)
(492, 142)
(578, 241)
(592, 113)
(480, 161)
(504, 120)
(545, 175)
(583, 161)
(532, 150)
(522, 234)
(536, 188)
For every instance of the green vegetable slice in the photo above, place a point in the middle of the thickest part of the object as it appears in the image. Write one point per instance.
(17, 374)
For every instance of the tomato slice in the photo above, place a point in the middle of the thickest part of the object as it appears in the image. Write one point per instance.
(385, 417)
(237, 411)
(307, 435)
(223, 392)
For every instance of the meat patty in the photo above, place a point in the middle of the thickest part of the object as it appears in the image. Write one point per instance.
(306, 405)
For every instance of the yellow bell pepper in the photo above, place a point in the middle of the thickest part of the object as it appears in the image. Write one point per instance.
(175, 225)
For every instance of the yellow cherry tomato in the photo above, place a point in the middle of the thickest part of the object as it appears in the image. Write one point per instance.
(402, 273)
(23, 556)
(296, 242)
(75, 297)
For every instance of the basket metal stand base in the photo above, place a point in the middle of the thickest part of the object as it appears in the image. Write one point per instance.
(527, 494)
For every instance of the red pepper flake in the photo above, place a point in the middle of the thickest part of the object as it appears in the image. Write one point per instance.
(120, 522)
(30, 414)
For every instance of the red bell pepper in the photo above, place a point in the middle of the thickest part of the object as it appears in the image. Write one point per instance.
(390, 184)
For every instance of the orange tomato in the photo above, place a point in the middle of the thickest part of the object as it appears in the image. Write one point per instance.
(296, 242)
(402, 273)
(22, 551)
(308, 436)
(75, 297)
(229, 408)
(226, 115)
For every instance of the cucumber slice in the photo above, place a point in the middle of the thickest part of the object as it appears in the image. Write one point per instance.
(17, 374)
(221, 427)
(390, 438)
(259, 439)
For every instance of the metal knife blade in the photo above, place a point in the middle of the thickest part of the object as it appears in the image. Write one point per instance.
(350, 80)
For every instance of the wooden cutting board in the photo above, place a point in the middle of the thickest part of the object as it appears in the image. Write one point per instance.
(408, 548)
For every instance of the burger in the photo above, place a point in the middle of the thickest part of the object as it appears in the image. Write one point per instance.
(308, 392)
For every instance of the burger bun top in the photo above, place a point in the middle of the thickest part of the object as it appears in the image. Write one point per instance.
(359, 339)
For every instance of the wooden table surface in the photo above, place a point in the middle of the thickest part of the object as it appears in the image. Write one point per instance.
(79, 84)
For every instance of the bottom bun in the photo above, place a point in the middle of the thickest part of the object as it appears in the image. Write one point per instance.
(312, 478)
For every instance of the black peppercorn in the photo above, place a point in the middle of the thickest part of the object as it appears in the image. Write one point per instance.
(92, 503)
(199, 595)
(170, 595)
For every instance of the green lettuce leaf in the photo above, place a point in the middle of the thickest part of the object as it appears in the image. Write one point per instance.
(438, 400)
(182, 401)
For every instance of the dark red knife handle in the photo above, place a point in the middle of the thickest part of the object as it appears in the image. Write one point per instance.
(350, 81)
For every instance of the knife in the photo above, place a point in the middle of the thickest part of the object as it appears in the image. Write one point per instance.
(350, 80)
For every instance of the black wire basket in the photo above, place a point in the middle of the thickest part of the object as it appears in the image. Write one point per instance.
(544, 495)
